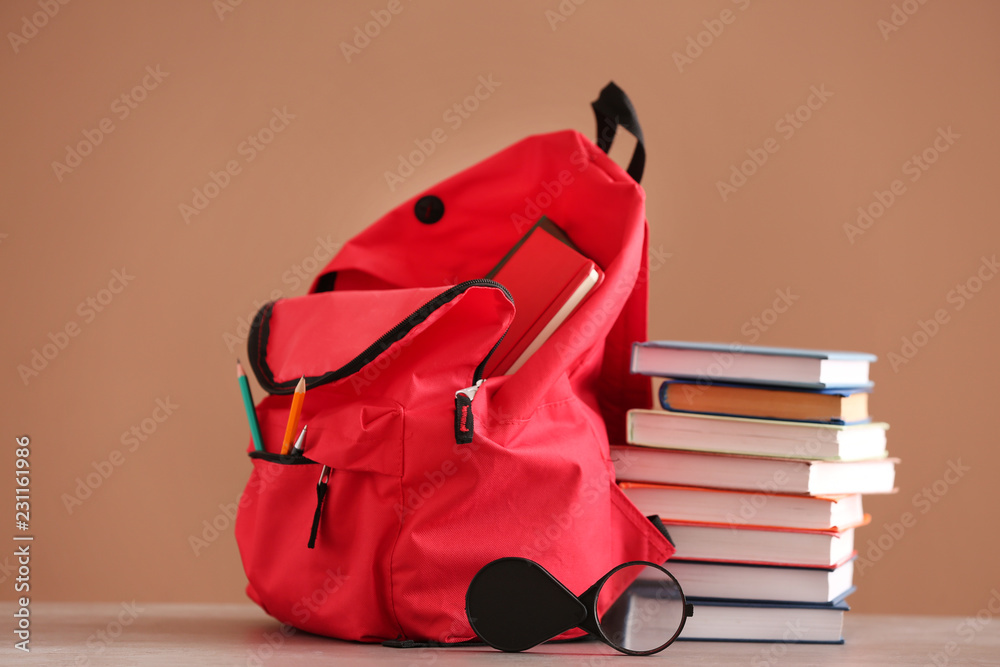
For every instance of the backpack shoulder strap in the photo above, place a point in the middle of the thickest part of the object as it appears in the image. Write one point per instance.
(612, 109)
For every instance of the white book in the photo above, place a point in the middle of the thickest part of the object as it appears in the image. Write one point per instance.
(745, 508)
(753, 473)
(755, 545)
(815, 369)
(757, 437)
(766, 583)
(785, 623)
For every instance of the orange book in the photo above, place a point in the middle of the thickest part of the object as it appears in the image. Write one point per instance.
(834, 406)
(548, 279)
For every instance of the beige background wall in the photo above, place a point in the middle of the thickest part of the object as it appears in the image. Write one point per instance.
(168, 329)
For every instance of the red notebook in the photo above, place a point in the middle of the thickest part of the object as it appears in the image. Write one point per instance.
(548, 279)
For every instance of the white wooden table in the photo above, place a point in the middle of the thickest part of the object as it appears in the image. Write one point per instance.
(179, 635)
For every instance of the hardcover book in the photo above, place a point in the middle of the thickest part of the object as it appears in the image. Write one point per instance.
(759, 437)
(744, 508)
(730, 620)
(753, 582)
(771, 546)
(737, 620)
(831, 406)
(753, 473)
(548, 278)
(720, 362)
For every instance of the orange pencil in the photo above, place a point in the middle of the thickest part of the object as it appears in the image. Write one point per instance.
(293, 416)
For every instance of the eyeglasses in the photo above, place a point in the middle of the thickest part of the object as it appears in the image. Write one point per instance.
(637, 608)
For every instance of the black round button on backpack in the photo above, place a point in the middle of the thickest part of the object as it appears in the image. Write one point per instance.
(429, 209)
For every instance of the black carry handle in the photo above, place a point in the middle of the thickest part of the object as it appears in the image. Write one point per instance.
(613, 108)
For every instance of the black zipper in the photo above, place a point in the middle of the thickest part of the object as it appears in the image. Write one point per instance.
(259, 332)
(321, 488)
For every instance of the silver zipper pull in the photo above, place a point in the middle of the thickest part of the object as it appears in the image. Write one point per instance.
(470, 391)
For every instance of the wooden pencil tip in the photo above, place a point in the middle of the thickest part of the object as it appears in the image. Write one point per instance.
(239, 369)
(301, 386)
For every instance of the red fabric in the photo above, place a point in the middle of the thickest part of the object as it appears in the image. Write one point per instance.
(410, 515)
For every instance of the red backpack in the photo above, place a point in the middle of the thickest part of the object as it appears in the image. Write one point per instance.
(417, 472)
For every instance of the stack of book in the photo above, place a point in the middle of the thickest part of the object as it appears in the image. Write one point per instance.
(756, 460)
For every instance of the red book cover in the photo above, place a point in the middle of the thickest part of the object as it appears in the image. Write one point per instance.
(547, 278)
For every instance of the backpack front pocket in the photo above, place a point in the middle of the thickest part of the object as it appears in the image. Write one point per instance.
(318, 532)
(341, 585)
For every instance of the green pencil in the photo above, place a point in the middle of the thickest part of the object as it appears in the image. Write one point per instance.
(258, 441)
